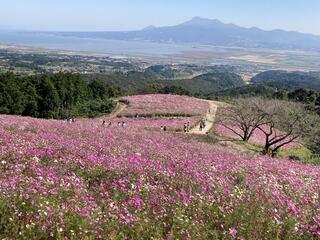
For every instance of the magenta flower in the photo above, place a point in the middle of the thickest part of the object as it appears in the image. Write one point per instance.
(233, 232)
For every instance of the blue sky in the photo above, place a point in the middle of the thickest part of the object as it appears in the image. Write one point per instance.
(299, 15)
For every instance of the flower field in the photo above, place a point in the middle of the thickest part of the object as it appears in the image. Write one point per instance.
(87, 181)
(164, 104)
(155, 123)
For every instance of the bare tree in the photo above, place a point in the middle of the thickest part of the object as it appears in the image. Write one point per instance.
(242, 117)
(280, 122)
(285, 122)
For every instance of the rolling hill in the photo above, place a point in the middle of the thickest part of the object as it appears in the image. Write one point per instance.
(85, 180)
(137, 82)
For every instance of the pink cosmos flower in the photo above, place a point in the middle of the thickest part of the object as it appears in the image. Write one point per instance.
(233, 232)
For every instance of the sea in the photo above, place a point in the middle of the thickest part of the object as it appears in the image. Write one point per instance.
(100, 46)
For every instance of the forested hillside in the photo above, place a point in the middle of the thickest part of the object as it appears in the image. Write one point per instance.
(245, 91)
(54, 96)
(140, 82)
(283, 79)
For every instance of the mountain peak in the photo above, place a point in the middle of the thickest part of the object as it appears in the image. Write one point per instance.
(202, 21)
(199, 21)
(151, 27)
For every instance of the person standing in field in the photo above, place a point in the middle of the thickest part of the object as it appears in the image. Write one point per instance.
(188, 127)
(185, 128)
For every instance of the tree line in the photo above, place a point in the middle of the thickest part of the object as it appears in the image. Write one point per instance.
(55, 96)
(309, 98)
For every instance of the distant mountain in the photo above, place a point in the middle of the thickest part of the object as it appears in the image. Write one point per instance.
(212, 32)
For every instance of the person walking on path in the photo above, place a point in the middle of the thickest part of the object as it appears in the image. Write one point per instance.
(202, 125)
(207, 122)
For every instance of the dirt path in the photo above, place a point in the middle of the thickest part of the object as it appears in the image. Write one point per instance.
(119, 108)
(210, 117)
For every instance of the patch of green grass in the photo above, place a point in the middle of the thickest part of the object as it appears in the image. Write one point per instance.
(11, 129)
(299, 154)
(208, 138)
(302, 154)
(314, 160)
(250, 146)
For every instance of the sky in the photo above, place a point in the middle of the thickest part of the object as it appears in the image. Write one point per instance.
(110, 15)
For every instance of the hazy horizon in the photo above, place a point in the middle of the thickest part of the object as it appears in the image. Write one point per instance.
(125, 15)
(9, 28)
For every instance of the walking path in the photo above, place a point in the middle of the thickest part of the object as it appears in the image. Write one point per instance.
(119, 108)
(210, 117)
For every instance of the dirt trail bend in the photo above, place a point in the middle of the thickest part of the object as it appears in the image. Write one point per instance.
(119, 108)
(210, 118)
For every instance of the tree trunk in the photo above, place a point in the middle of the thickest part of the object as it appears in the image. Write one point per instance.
(274, 153)
(266, 149)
